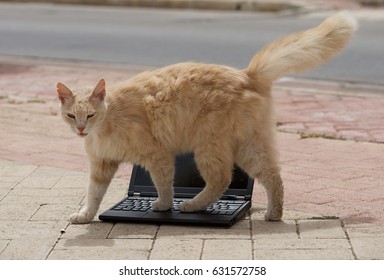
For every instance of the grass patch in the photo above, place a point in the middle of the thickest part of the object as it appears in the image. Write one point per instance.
(36, 101)
(304, 135)
(324, 218)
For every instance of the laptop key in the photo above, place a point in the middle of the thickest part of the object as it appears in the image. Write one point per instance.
(233, 207)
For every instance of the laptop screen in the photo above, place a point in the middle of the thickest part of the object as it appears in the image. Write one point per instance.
(188, 176)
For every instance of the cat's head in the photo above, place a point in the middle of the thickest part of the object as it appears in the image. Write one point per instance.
(83, 109)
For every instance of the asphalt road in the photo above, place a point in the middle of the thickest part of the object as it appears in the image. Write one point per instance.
(162, 37)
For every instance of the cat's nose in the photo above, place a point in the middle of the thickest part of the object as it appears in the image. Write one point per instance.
(81, 128)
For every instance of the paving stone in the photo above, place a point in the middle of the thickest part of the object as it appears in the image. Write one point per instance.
(54, 212)
(365, 231)
(3, 244)
(94, 230)
(79, 243)
(28, 248)
(300, 244)
(98, 254)
(38, 182)
(47, 171)
(3, 193)
(30, 229)
(354, 134)
(281, 229)
(17, 170)
(240, 230)
(6, 183)
(368, 248)
(302, 249)
(135, 231)
(297, 215)
(304, 254)
(6, 163)
(326, 229)
(101, 249)
(11, 198)
(70, 182)
(176, 248)
(224, 249)
(16, 212)
(44, 196)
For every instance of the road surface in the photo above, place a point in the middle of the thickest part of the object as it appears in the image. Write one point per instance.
(161, 37)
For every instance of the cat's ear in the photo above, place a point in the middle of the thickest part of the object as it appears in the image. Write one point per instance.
(63, 93)
(99, 91)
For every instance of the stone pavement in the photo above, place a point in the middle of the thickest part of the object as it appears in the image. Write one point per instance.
(331, 152)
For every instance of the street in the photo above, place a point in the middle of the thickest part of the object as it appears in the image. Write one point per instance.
(156, 38)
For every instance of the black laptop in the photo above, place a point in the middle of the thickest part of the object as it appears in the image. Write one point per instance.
(136, 207)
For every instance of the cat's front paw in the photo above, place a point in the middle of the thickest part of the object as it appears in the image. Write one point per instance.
(80, 218)
(161, 205)
(190, 206)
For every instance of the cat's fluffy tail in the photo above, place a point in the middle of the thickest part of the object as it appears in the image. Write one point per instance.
(304, 50)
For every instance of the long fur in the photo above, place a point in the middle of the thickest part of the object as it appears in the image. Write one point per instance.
(221, 114)
(305, 50)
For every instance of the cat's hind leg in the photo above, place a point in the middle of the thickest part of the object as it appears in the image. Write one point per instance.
(101, 174)
(216, 170)
(271, 180)
(162, 173)
(259, 159)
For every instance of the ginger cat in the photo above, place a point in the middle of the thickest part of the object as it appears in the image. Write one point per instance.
(221, 114)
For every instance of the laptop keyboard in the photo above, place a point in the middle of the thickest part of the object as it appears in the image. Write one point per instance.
(143, 204)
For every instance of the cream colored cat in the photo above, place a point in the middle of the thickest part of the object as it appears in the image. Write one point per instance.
(223, 115)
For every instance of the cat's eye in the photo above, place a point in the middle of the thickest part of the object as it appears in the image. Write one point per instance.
(71, 116)
(90, 116)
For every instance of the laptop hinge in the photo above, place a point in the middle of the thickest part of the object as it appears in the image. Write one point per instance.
(237, 197)
(141, 194)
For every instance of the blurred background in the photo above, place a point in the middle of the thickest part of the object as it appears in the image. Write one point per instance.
(158, 33)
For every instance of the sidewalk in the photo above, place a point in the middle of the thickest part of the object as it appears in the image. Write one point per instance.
(334, 188)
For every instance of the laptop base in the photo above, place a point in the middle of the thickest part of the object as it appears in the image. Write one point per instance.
(225, 217)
